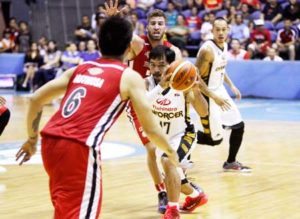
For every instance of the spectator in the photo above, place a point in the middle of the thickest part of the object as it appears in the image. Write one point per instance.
(91, 54)
(84, 32)
(23, 40)
(286, 39)
(260, 39)
(292, 11)
(81, 47)
(43, 45)
(70, 56)
(272, 56)
(101, 17)
(171, 15)
(246, 13)
(180, 5)
(236, 52)
(206, 27)
(194, 21)
(138, 27)
(6, 43)
(254, 5)
(239, 30)
(48, 71)
(212, 5)
(13, 28)
(272, 11)
(99, 10)
(232, 13)
(178, 34)
(33, 61)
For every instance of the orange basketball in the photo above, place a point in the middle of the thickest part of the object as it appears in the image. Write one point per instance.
(184, 75)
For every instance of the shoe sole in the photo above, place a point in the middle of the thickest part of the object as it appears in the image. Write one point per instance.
(203, 201)
(237, 171)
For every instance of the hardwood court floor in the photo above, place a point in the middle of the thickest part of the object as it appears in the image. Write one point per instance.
(271, 191)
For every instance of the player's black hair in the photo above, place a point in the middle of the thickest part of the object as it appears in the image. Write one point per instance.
(115, 36)
(220, 19)
(161, 51)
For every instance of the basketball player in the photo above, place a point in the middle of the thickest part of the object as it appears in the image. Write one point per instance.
(211, 62)
(138, 57)
(171, 107)
(96, 93)
(4, 115)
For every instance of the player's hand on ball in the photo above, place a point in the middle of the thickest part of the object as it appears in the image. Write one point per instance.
(26, 151)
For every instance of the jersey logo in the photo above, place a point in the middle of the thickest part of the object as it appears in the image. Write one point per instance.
(95, 71)
(163, 101)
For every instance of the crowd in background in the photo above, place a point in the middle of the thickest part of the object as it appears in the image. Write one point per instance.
(259, 29)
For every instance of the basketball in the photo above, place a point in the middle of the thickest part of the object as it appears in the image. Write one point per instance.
(184, 75)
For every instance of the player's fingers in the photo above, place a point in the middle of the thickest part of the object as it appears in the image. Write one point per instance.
(106, 5)
(116, 4)
(111, 4)
(19, 152)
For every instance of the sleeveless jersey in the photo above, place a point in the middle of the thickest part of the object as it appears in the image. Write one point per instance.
(172, 110)
(140, 63)
(215, 77)
(91, 105)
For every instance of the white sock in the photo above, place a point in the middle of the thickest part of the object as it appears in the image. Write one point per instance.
(171, 204)
(194, 194)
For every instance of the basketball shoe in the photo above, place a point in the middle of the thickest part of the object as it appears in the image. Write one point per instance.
(236, 167)
(171, 213)
(162, 202)
(191, 204)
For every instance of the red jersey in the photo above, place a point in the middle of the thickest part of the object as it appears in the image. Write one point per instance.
(141, 63)
(286, 36)
(261, 36)
(91, 105)
(2, 109)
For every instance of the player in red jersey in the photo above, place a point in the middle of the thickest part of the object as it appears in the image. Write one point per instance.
(4, 114)
(95, 95)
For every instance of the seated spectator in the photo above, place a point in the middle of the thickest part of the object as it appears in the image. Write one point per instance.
(99, 10)
(48, 71)
(13, 28)
(232, 15)
(206, 28)
(194, 22)
(286, 39)
(254, 5)
(239, 30)
(7, 44)
(272, 56)
(84, 32)
(292, 11)
(91, 54)
(32, 62)
(178, 34)
(81, 47)
(260, 39)
(43, 45)
(246, 13)
(24, 38)
(272, 11)
(138, 27)
(101, 17)
(212, 5)
(171, 15)
(236, 52)
(70, 57)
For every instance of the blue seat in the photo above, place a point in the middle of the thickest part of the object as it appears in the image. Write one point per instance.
(222, 13)
(201, 14)
(186, 13)
(273, 36)
(269, 25)
(279, 25)
(255, 15)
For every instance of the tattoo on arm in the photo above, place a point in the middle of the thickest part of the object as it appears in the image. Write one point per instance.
(36, 121)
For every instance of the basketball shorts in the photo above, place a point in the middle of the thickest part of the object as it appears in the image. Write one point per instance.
(219, 119)
(136, 124)
(183, 143)
(74, 178)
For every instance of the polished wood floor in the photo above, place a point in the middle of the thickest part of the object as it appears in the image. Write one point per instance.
(272, 149)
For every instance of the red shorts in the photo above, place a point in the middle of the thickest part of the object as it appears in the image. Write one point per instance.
(74, 178)
(136, 124)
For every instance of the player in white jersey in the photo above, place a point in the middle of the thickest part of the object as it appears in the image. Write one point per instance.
(211, 62)
(171, 107)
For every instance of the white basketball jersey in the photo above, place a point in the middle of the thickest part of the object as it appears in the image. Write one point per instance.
(215, 77)
(171, 109)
